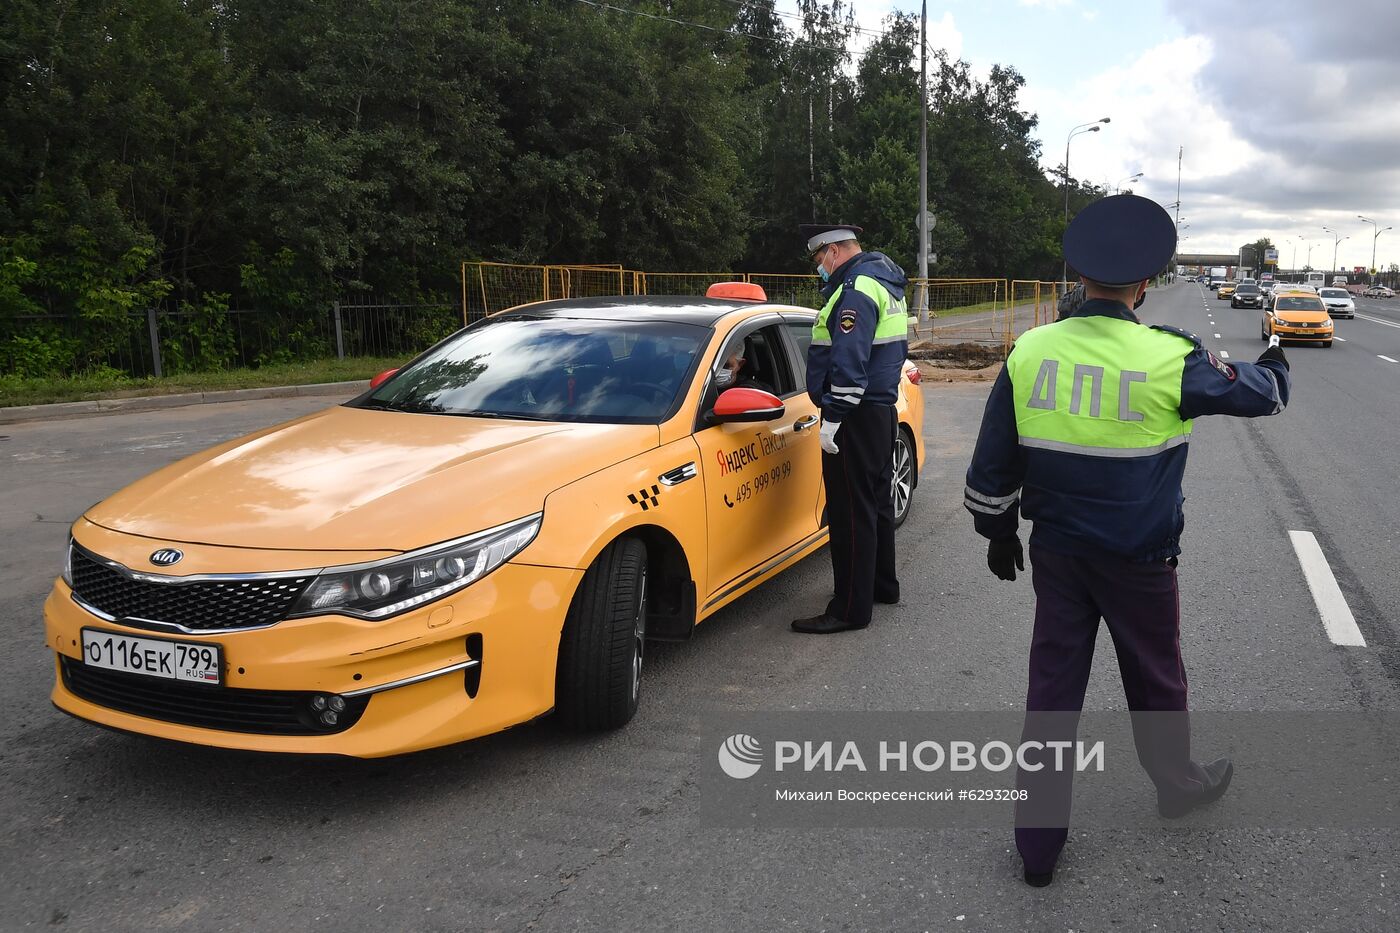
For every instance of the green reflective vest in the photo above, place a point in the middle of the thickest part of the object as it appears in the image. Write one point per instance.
(892, 326)
(1100, 386)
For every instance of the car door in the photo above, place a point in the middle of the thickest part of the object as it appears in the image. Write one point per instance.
(761, 478)
(798, 330)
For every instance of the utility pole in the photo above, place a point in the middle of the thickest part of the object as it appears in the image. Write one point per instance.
(1374, 237)
(1337, 239)
(1081, 128)
(923, 167)
(1179, 151)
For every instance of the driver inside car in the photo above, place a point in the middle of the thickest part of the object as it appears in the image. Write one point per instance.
(737, 373)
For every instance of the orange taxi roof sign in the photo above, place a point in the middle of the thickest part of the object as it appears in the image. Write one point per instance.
(744, 291)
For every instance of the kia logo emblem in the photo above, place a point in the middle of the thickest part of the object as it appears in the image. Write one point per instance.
(166, 556)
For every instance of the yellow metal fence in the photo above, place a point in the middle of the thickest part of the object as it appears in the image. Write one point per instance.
(985, 311)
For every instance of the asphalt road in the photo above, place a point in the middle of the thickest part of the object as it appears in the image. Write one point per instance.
(538, 830)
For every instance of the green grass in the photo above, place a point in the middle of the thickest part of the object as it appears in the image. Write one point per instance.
(15, 390)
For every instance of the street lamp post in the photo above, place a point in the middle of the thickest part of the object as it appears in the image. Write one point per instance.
(1374, 237)
(1336, 242)
(1081, 128)
(1119, 187)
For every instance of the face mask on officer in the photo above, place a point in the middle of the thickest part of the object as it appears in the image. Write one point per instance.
(821, 263)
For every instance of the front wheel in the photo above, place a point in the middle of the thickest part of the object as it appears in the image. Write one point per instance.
(598, 682)
(904, 475)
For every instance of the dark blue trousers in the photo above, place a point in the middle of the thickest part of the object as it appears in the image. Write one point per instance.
(1139, 603)
(859, 482)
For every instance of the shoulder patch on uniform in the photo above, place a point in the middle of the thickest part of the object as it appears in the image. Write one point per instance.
(847, 321)
(1167, 328)
(1225, 368)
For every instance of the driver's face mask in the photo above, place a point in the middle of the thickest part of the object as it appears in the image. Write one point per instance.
(729, 372)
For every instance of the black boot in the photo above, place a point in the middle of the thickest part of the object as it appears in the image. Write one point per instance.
(1038, 879)
(1218, 774)
(823, 625)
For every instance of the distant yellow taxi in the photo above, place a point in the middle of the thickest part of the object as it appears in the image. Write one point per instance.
(1226, 290)
(491, 532)
(1298, 316)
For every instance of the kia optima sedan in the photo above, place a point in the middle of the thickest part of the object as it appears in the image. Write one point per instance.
(490, 533)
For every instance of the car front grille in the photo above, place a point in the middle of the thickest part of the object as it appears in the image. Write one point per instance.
(197, 606)
(264, 712)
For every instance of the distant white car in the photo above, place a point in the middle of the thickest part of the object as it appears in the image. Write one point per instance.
(1338, 302)
(1378, 291)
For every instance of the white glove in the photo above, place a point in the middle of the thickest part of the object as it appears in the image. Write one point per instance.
(828, 436)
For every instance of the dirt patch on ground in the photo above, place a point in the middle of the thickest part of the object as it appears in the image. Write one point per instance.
(956, 362)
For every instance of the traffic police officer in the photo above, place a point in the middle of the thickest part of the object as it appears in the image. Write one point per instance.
(1085, 432)
(855, 362)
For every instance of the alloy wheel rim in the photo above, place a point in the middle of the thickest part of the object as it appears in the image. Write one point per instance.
(639, 631)
(902, 477)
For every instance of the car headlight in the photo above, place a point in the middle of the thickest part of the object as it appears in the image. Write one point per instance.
(384, 588)
(67, 574)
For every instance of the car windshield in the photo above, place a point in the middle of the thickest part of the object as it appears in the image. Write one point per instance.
(1335, 293)
(1299, 303)
(1248, 290)
(549, 369)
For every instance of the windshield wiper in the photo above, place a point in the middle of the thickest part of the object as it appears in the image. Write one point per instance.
(511, 416)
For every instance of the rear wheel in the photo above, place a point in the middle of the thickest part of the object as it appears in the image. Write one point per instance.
(904, 454)
(600, 651)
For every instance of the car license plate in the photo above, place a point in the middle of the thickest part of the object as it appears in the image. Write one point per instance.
(192, 662)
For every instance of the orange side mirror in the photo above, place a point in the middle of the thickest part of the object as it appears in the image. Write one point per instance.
(382, 378)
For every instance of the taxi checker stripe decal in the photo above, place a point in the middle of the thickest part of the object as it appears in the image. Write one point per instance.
(647, 499)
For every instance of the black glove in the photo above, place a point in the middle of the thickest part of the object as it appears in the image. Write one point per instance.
(1005, 557)
(1273, 353)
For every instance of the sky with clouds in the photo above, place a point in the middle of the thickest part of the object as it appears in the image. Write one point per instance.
(1286, 114)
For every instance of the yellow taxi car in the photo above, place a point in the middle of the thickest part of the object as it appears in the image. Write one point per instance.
(489, 533)
(1297, 315)
(1226, 290)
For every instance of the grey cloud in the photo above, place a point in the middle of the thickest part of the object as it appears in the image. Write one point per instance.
(1315, 89)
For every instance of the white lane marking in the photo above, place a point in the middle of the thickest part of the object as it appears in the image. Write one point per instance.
(1342, 339)
(1376, 320)
(1332, 606)
(1386, 358)
(1217, 336)
(1224, 355)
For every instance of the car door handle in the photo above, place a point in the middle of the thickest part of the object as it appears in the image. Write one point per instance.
(803, 424)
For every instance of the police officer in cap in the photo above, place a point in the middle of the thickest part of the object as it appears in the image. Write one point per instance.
(1085, 433)
(855, 362)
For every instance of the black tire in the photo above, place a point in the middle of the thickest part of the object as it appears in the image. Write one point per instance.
(600, 651)
(905, 475)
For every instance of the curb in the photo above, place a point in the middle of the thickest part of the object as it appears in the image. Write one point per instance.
(111, 406)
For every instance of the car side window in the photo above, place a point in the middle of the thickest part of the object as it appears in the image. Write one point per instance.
(763, 361)
(800, 333)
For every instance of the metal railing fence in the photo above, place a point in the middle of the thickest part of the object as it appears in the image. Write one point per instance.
(165, 342)
(987, 311)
